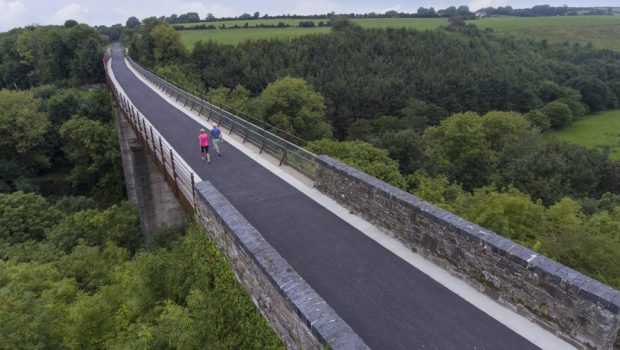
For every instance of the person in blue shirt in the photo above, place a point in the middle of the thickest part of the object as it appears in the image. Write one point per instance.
(216, 138)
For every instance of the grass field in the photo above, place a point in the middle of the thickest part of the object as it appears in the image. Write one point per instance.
(418, 23)
(598, 131)
(235, 36)
(600, 31)
(603, 32)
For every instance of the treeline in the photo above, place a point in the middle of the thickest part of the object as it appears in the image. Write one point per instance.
(302, 24)
(66, 55)
(546, 10)
(422, 12)
(76, 277)
(422, 111)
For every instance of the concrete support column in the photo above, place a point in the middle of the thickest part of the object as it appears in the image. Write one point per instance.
(146, 186)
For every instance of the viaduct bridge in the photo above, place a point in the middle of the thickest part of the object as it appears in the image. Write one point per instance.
(335, 258)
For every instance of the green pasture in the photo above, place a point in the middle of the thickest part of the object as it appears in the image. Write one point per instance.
(413, 23)
(603, 32)
(235, 36)
(504, 23)
(599, 131)
(417, 23)
(600, 31)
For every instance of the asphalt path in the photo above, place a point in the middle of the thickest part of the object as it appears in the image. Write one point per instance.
(388, 303)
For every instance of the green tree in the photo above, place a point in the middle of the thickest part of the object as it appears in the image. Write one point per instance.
(22, 127)
(420, 114)
(187, 77)
(571, 240)
(436, 190)
(132, 22)
(85, 52)
(92, 148)
(559, 114)
(70, 205)
(91, 266)
(25, 216)
(118, 223)
(510, 213)
(459, 149)
(577, 108)
(34, 299)
(502, 129)
(596, 94)
(167, 46)
(63, 105)
(293, 106)
(363, 156)
(551, 91)
(550, 171)
(406, 147)
(538, 119)
(237, 100)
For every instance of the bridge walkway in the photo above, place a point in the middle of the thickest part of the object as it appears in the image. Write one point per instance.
(387, 301)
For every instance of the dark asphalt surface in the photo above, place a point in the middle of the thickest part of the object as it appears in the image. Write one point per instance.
(387, 302)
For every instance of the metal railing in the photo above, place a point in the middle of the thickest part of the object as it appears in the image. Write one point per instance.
(177, 172)
(286, 152)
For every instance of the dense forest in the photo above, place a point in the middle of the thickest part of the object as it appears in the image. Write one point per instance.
(75, 272)
(455, 115)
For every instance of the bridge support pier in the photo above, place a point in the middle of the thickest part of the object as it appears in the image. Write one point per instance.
(146, 186)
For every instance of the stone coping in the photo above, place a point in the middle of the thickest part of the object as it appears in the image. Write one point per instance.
(318, 316)
(563, 277)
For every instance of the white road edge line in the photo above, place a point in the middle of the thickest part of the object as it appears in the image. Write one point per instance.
(517, 323)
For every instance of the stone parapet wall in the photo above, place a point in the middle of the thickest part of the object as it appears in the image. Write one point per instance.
(577, 308)
(300, 317)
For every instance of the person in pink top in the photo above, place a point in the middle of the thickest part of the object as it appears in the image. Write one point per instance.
(204, 145)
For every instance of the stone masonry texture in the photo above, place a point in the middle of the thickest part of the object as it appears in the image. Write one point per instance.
(300, 317)
(575, 307)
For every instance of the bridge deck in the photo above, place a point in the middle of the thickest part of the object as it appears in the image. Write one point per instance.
(388, 302)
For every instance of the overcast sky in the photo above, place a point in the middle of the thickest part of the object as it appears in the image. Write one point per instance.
(19, 13)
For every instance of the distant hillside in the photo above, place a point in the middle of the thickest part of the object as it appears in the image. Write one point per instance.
(601, 32)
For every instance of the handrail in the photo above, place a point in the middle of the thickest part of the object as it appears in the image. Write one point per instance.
(286, 152)
(176, 171)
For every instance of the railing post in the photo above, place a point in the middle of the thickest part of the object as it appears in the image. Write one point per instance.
(193, 191)
(284, 156)
(247, 133)
(152, 138)
(146, 135)
(163, 160)
(174, 174)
